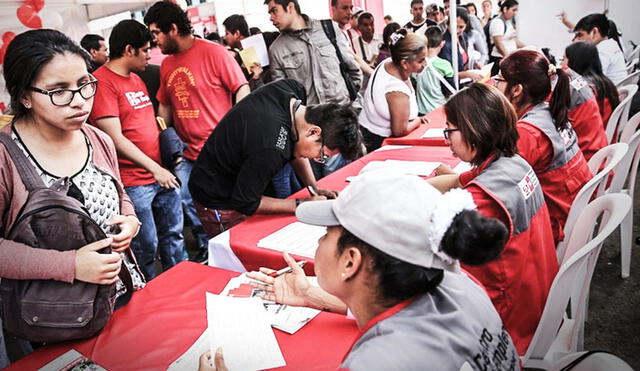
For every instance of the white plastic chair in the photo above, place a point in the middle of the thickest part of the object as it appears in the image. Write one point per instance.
(559, 333)
(632, 79)
(608, 159)
(631, 66)
(620, 115)
(632, 53)
(631, 136)
(597, 361)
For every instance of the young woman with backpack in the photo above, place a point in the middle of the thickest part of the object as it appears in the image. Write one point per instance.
(502, 38)
(48, 149)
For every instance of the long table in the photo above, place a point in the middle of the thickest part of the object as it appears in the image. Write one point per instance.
(165, 318)
(437, 120)
(243, 238)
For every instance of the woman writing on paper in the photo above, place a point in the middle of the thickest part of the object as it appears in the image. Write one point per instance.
(399, 275)
(389, 106)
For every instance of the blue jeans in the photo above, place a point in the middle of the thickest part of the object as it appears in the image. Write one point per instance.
(159, 211)
(183, 172)
(285, 182)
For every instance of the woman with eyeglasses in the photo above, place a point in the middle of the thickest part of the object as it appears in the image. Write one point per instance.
(51, 97)
(389, 106)
(547, 139)
(481, 130)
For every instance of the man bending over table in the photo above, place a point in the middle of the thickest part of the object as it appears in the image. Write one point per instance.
(261, 134)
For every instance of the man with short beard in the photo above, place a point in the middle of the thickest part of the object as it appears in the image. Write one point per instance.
(198, 81)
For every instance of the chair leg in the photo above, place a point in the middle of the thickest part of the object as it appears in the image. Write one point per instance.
(626, 231)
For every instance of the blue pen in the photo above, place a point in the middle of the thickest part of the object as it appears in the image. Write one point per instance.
(218, 219)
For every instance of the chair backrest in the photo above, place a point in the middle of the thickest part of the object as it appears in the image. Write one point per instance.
(573, 277)
(620, 115)
(632, 79)
(631, 136)
(614, 154)
(632, 53)
(590, 361)
(602, 163)
(631, 66)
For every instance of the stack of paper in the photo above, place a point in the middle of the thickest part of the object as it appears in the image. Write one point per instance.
(241, 327)
(296, 238)
(394, 167)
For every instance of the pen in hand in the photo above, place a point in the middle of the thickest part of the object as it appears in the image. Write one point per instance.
(312, 191)
(285, 270)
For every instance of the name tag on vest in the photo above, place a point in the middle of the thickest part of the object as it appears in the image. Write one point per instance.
(528, 184)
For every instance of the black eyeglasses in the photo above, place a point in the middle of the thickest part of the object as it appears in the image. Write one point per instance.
(63, 97)
(323, 157)
(447, 132)
(498, 79)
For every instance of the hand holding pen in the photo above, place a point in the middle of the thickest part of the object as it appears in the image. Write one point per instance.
(290, 289)
(318, 192)
(286, 270)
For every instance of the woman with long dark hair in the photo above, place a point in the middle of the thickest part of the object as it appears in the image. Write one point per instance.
(583, 58)
(547, 140)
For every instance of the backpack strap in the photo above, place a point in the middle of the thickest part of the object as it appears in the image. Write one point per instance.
(28, 174)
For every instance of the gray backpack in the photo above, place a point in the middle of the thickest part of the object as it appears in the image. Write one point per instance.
(48, 310)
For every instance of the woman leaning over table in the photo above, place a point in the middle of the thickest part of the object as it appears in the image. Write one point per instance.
(389, 106)
(51, 97)
(481, 130)
(547, 139)
(397, 272)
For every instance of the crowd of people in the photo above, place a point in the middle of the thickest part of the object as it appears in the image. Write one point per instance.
(205, 141)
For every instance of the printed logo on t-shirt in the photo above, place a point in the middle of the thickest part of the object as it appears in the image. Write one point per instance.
(528, 184)
(138, 100)
(282, 139)
(497, 352)
(181, 79)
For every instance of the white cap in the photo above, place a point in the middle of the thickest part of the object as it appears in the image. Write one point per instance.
(400, 215)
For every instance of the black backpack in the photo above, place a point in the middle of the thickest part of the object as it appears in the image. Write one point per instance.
(488, 35)
(48, 310)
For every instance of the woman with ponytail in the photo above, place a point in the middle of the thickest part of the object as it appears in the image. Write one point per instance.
(582, 57)
(389, 105)
(481, 130)
(395, 265)
(547, 140)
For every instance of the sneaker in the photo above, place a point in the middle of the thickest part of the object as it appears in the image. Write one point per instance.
(201, 257)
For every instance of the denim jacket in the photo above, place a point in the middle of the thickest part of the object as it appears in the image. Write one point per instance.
(308, 56)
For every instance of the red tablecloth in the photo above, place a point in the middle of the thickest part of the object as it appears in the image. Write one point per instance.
(164, 319)
(437, 119)
(245, 236)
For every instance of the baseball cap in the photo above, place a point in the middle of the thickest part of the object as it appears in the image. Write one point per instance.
(398, 214)
(432, 8)
(356, 11)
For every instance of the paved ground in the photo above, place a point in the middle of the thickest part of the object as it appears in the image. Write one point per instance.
(614, 315)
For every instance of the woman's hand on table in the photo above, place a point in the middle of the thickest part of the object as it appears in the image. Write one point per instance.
(444, 169)
(289, 288)
(329, 194)
(129, 226)
(218, 362)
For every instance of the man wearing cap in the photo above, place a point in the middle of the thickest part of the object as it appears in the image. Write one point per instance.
(232, 177)
(394, 266)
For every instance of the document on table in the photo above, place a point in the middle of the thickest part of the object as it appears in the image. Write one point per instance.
(189, 360)
(390, 147)
(433, 133)
(296, 238)
(462, 167)
(257, 41)
(392, 167)
(240, 326)
(283, 317)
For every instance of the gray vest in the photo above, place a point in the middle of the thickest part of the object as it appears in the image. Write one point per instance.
(565, 142)
(581, 91)
(514, 185)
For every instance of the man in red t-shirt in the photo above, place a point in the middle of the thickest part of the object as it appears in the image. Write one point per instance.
(197, 83)
(123, 110)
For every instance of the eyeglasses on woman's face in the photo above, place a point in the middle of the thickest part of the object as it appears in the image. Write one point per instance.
(63, 97)
(447, 133)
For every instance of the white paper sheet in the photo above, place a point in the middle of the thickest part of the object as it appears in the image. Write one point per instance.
(433, 133)
(189, 360)
(257, 41)
(394, 167)
(283, 317)
(296, 238)
(240, 326)
(462, 167)
(390, 147)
